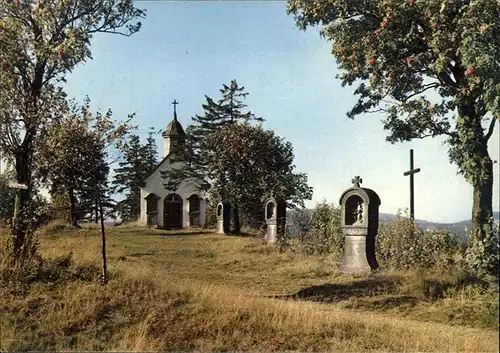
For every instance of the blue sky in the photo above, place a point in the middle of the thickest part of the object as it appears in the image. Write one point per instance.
(188, 49)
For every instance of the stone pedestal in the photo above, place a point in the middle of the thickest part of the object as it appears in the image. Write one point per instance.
(220, 225)
(355, 260)
(223, 218)
(272, 233)
(359, 224)
(275, 214)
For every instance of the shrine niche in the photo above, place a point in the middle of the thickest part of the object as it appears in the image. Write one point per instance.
(152, 210)
(223, 218)
(354, 210)
(359, 224)
(275, 215)
(194, 210)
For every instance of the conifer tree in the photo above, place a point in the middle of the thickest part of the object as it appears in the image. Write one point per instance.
(138, 161)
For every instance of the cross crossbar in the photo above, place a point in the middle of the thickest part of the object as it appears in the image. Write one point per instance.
(410, 172)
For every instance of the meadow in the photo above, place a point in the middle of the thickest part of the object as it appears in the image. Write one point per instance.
(198, 291)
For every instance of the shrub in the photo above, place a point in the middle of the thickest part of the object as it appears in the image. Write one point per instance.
(299, 223)
(316, 232)
(326, 232)
(402, 245)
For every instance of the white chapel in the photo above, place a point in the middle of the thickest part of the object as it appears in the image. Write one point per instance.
(171, 209)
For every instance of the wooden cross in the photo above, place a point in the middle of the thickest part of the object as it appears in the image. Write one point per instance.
(411, 172)
(356, 181)
(175, 103)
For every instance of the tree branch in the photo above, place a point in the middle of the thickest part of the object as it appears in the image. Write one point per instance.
(425, 88)
(490, 129)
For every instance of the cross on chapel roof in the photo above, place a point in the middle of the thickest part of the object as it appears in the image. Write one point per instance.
(175, 110)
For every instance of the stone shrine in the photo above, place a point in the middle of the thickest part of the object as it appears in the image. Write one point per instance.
(275, 215)
(359, 224)
(223, 218)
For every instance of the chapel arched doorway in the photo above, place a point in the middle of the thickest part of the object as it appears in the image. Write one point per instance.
(172, 211)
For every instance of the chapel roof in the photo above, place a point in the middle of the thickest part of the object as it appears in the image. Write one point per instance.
(174, 128)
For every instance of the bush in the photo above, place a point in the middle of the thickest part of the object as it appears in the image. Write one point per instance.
(402, 245)
(316, 232)
(327, 235)
(299, 223)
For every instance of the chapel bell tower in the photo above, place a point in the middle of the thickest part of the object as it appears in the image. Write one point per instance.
(174, 136)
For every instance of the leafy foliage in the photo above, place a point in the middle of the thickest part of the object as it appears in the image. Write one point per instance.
(483, 255)
(251, 163)
(7, 197)
(316, 231)
(327, 234)
(72, 158)
(299, 223)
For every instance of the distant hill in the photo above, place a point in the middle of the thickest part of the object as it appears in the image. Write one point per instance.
(457, 227)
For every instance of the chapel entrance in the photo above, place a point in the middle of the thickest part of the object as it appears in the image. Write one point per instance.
(172, 212)
(194, 210)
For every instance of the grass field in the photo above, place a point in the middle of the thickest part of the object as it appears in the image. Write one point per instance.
(199, 291)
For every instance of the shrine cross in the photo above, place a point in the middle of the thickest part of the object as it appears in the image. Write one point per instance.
(356, 181)
(411, 173)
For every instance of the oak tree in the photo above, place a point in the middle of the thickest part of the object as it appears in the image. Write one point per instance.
(432, 66)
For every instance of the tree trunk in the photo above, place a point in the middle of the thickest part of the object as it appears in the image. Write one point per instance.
(24, 164)
(482, 210)
(472, 136)
(236, 220)
(72, 206)
(19, 219)
(97, 210)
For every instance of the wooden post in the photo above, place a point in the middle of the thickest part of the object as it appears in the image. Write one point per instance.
(411, 173)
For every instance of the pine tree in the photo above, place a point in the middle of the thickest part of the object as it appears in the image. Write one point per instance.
(139, 160)
(88, 199)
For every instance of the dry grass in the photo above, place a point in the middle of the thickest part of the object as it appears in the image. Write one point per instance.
(171, 291)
